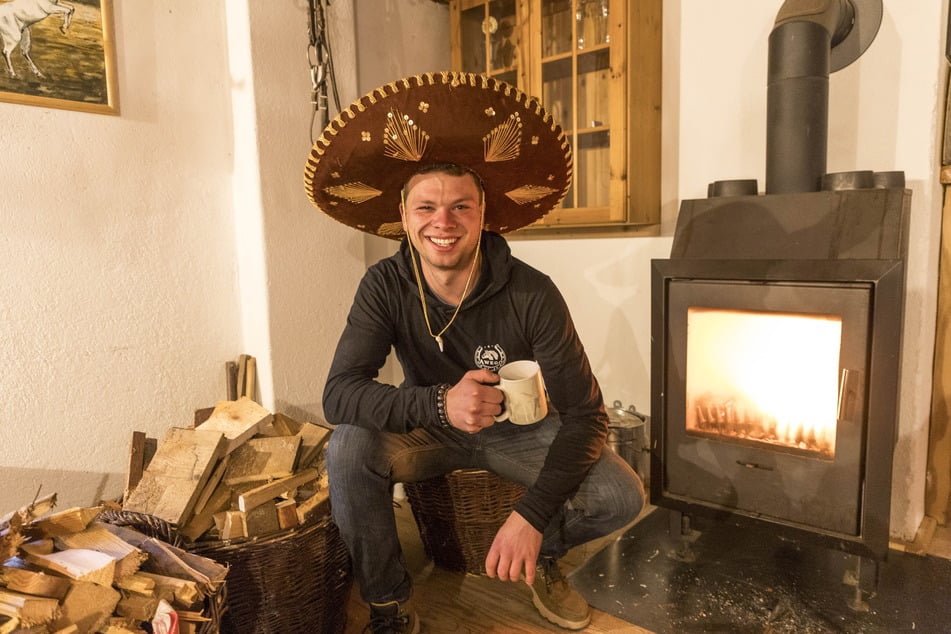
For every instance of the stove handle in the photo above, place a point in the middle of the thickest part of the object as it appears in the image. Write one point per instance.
(843, 383)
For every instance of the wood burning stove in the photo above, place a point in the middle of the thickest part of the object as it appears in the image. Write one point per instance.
(776, 393)
(775, 361)
(776, 322)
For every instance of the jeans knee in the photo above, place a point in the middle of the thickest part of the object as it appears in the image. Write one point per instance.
(346, 447)
(624, 498)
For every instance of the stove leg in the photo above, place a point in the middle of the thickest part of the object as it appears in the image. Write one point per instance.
(679, 529)
(853, 578)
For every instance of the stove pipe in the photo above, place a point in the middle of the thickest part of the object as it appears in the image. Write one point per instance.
(810, 39)
(797, 96)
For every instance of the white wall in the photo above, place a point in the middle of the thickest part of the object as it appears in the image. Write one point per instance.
(142, 252)
(119, 294)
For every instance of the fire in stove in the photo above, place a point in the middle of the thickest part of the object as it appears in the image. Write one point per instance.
(758, 377)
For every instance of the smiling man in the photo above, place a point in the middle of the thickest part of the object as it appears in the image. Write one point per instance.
(445, 163)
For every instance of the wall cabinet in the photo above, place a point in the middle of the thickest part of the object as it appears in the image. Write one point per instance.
(596, 66)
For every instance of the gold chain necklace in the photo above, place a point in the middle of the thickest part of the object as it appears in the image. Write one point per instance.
(422, 295)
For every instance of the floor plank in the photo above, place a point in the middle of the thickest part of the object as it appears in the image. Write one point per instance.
(457, 603)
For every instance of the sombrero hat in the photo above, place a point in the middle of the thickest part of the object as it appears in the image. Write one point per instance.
(363, 158)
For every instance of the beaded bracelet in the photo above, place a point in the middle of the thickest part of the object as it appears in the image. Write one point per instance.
(441, 412)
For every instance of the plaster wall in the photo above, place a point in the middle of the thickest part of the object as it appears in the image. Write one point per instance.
(143, 251)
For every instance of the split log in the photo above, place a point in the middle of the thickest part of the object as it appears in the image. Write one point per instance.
(316, 505)
(65, 522)
(201, 522)
(137, 607)
(313, 439)
(212, 484)
(97, 537)
(88, 606)
(262, 460)
(287, 514)
(28, 609)
(138, 583)
(182, 592)
(28, 513)
(80, 564)
(174, 479)
(231, 524)
(237, 420)
(278, 488)
(18, 576)
(141, 451)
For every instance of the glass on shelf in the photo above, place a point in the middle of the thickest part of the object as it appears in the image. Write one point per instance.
(509, 77)
(593, 169)
(593, 90)
(556, 91)
(556, 27)
(473, 40)
(500, 27)
(592, 27)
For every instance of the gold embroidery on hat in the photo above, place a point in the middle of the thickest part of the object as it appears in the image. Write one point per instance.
(403, 139)
(502, 143)
(423, 106)
(528, 193)
(490, 111)
(390, 229)
(366, 136)
(354, 192)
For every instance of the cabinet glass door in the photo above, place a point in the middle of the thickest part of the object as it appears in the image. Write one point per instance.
(489, 39)
(575, 88)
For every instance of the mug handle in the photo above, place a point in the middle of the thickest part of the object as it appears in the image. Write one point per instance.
(504, 414)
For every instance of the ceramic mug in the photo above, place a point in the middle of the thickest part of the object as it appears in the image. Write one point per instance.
(524, 391)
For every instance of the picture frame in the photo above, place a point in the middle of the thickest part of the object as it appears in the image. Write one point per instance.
(58, 54)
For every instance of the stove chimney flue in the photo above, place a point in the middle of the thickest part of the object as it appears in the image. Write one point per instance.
(810, 39)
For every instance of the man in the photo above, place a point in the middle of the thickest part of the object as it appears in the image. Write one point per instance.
(455, 305)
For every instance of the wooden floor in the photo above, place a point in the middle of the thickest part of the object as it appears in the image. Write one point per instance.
(457, 603)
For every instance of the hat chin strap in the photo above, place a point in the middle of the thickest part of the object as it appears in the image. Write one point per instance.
(465, 291)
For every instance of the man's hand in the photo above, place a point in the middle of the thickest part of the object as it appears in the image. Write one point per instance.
(514, 550)
(472, 404)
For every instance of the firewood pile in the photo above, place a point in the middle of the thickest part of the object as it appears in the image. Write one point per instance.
(240, 471)
(237, 472)
(66, 572)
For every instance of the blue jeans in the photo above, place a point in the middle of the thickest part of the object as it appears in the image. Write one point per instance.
(363, 464)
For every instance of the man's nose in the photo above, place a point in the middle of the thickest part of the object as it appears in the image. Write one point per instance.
(443, 217)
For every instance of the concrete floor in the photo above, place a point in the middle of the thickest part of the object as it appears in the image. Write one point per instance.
(747, 579)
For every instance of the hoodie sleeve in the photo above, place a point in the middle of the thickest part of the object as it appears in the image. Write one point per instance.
(574, 392)
(352, 394)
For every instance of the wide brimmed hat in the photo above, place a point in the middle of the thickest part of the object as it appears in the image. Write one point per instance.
(363, 158)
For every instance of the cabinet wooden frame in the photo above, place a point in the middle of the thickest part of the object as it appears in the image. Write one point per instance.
(633, 76)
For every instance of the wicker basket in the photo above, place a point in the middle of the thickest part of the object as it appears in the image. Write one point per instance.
(157, 528)
(458, 515)
(295, 580)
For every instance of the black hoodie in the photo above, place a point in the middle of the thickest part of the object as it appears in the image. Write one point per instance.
(515, 312)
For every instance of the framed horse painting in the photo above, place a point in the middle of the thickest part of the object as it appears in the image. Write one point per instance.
(58, 54)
